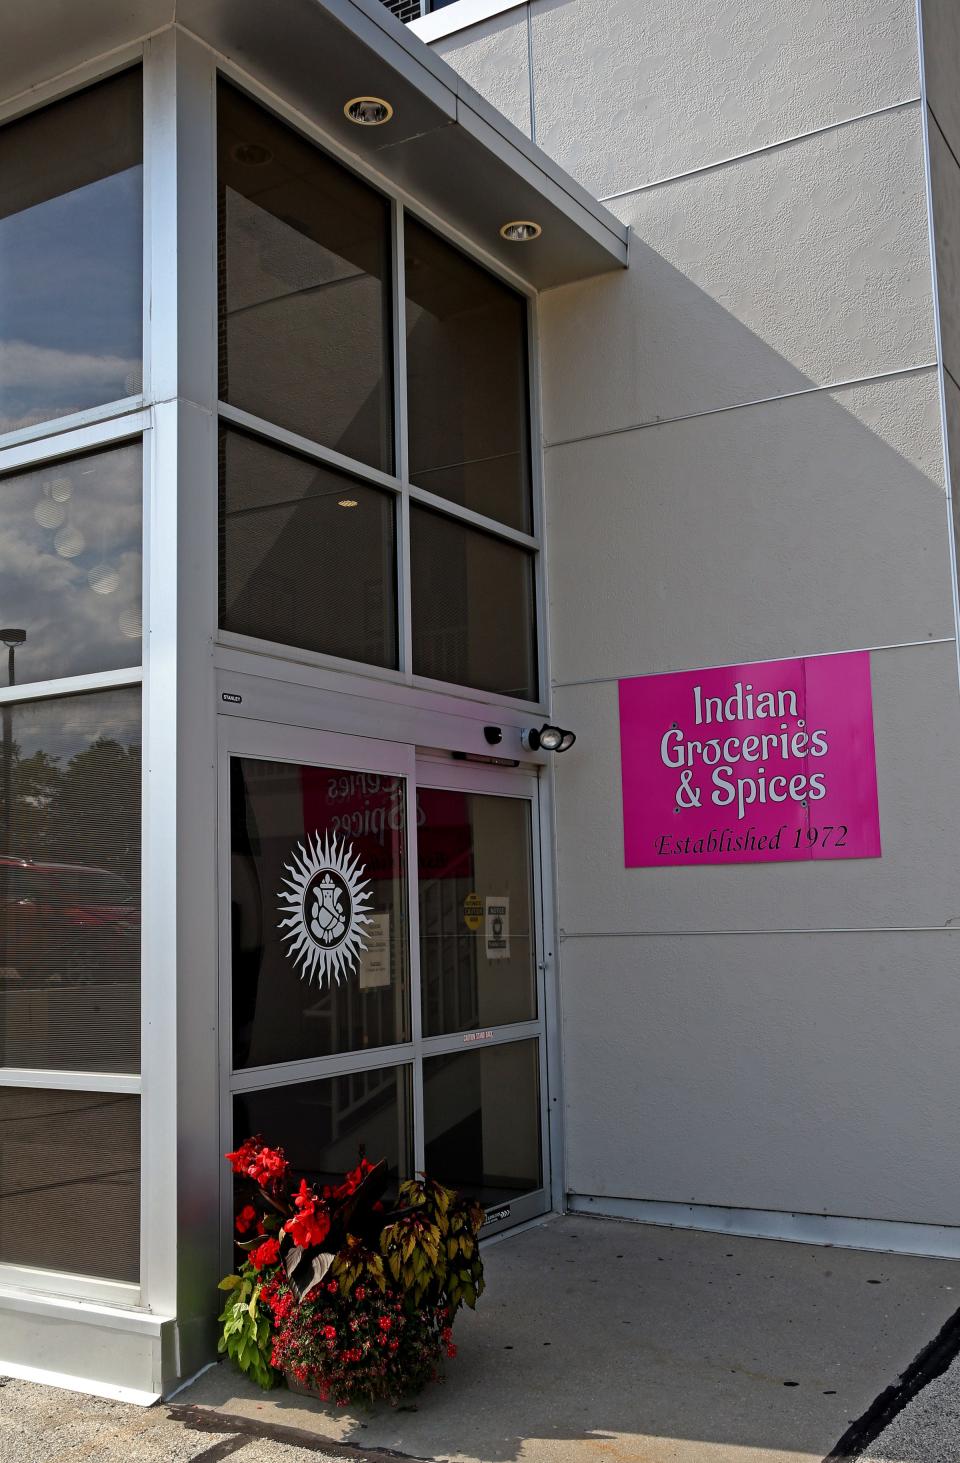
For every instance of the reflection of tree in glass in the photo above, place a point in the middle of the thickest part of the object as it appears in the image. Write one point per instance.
(86, 812)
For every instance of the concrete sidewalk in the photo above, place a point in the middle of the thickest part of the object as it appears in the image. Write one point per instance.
(599, 1340)
(596, 1342)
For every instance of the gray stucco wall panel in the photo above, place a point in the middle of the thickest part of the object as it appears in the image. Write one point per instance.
(804, 525)
(669, 85)
(493, 58)
(802, 1072)
(915, 696)
(806, 265)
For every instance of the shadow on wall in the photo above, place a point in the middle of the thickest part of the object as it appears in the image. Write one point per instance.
(801, 524)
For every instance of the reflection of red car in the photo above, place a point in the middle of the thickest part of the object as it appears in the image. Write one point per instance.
(66, 922)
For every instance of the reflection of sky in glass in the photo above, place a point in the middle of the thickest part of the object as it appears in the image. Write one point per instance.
(71, 206)
(70, 564)
(70, 302)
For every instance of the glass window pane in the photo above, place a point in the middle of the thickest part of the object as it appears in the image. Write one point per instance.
(319, 911)
(477, 962)
(71, 244)
(70, 1182)
(324, 1126)
(305, 271)
(308, 556)
(70, 883)
(72, 567)
(482, 1120)
(473, 607)
(466, 381)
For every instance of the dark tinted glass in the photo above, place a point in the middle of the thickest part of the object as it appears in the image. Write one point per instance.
(473, 607)
(323, 1127)
(71, 567)
(477, 965)
(70, 1182)
(482, 1120)
(70, 883)
(71, 294)
(466, 381)
(319, 912)
(305, 261)
(308, 556)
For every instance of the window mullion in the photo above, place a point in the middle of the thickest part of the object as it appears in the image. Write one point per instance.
(401, 440)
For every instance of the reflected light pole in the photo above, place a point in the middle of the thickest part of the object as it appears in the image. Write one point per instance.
(11, 639)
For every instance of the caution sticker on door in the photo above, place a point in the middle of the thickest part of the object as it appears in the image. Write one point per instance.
(473, 911)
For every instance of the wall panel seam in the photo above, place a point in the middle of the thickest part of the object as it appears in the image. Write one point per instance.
(945, 929)
(760, 660)
(946, 140)
(714, 411)
(530, 81)
(739, 157)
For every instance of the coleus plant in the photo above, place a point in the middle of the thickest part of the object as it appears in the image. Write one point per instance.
(420, 1253)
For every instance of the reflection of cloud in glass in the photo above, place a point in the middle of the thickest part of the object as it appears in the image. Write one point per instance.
(67, 725)
(69, 542)
(131, 624)
(70, 571)
(49, 514)
(103, 578)
(71, 304)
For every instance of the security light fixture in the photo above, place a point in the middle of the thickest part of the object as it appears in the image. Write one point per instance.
(520, 231)
(368, 111)
(346, 502)
(547, 739)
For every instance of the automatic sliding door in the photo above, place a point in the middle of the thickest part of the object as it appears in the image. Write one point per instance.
(483, 1058)
(381, 986)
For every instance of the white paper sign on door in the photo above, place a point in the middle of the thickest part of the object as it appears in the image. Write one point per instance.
(497, 927)
(375, 959)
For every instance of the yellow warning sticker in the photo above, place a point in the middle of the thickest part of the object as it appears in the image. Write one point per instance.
(473, 911)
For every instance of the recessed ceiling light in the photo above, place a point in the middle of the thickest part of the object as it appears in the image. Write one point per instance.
(346, 502)
(251, 154)
(520, 231)
(368, 111)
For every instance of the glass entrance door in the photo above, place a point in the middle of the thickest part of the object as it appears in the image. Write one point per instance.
(380, 982)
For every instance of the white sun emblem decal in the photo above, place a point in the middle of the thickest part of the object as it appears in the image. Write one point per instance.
(325, 901)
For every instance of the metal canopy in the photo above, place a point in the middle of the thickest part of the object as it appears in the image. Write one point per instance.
(444, 145)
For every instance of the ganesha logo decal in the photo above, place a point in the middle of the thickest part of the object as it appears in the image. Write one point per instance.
(325, 901)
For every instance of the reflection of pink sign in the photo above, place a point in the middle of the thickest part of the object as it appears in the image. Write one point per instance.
(750, 763)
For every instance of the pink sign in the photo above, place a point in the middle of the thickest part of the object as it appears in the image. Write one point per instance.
(750, 763)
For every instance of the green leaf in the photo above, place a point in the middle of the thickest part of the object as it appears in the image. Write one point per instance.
(229, 1282)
